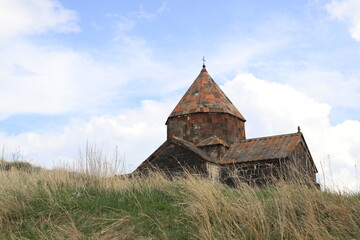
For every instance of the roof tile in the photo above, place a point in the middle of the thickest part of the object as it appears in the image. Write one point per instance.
(204, 95)
(255, 149)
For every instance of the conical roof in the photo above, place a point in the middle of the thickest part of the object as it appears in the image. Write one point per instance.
(205, 96)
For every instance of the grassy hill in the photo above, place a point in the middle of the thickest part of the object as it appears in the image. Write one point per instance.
(58, 204)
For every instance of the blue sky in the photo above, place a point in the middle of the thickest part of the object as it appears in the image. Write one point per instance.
(110, 72)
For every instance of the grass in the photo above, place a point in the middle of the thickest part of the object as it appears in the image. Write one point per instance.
(58, 204)
(17, 165)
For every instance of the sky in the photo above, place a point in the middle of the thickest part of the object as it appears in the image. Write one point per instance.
(108, 73)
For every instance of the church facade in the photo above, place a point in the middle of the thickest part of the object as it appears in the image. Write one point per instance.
(206, 136)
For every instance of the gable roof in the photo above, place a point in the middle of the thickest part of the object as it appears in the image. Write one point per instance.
(213, 140)
(205, 96)
(179, 142)
(264, 148)
(249, 150)
(190, 146)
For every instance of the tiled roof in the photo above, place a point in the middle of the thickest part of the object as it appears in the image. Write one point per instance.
(263, 148)
(213, 140)
(204, 95)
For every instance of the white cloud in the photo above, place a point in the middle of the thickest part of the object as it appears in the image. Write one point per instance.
(273, 108)
(18, 17)
(270, 108)
(52, 80)
(226, 60)
(232, 54)
(126, 23)
(143, 14)
(137, 133)
(347, 10)
(343, 143)
(331, 87)
(49, 80)
(56, 80)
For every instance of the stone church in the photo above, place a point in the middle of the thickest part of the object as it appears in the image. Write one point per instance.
(206, 136)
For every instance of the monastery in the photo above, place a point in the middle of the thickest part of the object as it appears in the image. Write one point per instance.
(206, 136)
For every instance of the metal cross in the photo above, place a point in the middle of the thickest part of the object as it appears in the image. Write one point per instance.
(204, 61)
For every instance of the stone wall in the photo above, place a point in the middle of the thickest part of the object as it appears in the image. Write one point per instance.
(213, 171)
(199, 126)
(215, 152)
(257, 172)
(297, 167)
(300, 165)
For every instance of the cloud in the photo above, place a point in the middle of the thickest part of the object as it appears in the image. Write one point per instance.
(50, 80)
(126, 23)
(54, 80)
(135, 132)
(143, 14)
(249, 49)
(19, 17)
(273, 108)
(270, 108)
(349, 11)
(331, 87)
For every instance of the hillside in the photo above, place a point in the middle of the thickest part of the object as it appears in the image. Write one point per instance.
(58, 204)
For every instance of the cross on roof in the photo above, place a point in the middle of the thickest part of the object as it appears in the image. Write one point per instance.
(203, 62)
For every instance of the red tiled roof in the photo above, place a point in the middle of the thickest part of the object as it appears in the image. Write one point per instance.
(204, 95)
(273, 147)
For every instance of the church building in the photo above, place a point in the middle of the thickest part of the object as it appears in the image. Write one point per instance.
(206, 136)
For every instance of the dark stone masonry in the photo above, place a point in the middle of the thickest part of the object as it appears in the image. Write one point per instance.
(206, 136)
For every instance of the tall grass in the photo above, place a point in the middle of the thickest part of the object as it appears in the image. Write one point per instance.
(93, 162)
(59, 204)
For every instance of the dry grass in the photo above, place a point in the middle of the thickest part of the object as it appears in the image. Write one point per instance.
(59, 204)
(284, 211)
